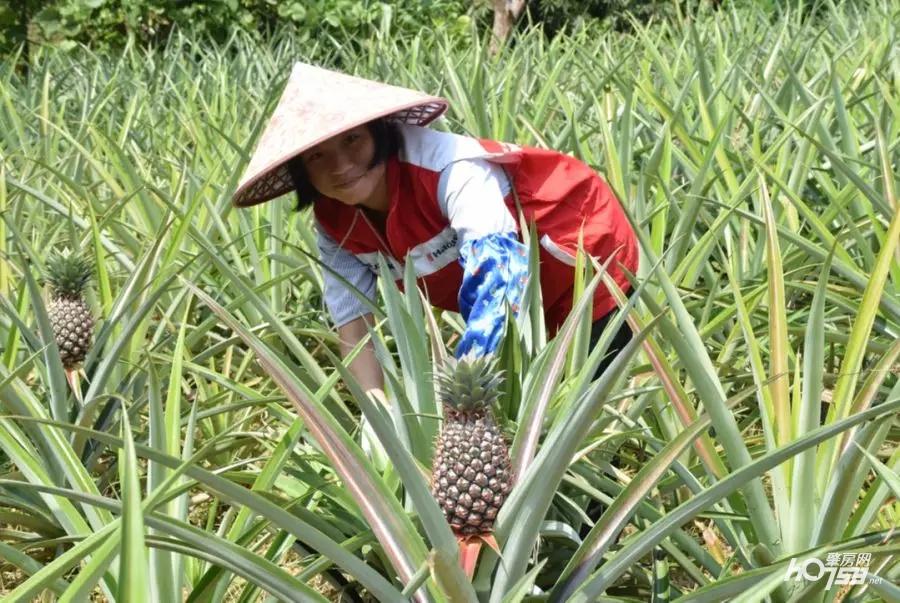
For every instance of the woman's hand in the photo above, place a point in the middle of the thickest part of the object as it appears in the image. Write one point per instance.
(365, 367)
(377, 394)
(371, 445)
(367, 372)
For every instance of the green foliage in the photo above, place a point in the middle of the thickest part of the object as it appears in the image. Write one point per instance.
(757, 157)
(111, 23)
(572, 14)
(557, 15)
(105, 24)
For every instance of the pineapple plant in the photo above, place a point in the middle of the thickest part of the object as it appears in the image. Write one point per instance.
(471, 474)
(68, 274)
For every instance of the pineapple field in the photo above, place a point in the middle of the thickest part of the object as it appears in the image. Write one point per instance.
(177, 423)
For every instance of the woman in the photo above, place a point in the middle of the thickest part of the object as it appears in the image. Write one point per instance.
(382, 183)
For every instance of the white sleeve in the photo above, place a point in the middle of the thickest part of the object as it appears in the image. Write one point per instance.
(342, 303)
(471, 193)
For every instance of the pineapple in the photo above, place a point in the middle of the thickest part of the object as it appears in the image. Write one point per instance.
(471, 475)
(71, 319)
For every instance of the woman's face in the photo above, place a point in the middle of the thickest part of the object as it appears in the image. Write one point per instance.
(339, 168)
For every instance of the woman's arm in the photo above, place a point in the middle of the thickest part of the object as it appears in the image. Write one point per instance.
(495, 263)
(347, 310)
(365, 366)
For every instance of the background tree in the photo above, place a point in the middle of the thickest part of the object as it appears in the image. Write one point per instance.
(506, 13)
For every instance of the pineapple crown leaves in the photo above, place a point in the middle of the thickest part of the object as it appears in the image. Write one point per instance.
(470, 383)
(68, 273)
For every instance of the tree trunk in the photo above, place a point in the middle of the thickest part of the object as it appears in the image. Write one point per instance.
(25, 23)
(506, 12)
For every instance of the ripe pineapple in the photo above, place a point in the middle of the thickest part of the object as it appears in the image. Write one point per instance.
(471, 475)
(71, 319)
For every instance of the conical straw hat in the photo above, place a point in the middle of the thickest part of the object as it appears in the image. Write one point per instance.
(317, 104)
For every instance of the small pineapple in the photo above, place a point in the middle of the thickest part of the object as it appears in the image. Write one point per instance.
(471, 475)
(73, 325)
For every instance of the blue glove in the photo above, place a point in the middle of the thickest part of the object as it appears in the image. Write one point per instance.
(495, 269)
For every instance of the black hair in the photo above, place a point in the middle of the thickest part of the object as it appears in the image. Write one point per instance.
(387, 143)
